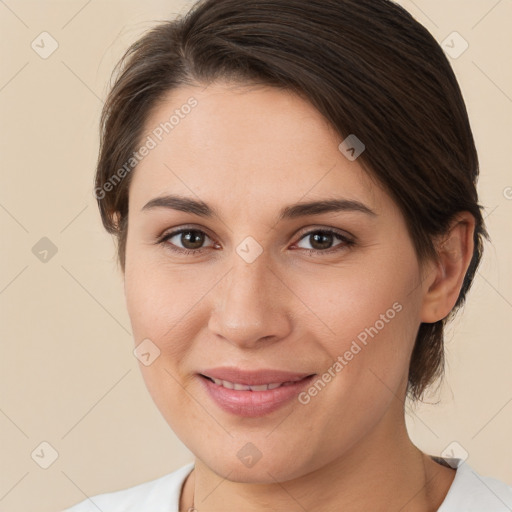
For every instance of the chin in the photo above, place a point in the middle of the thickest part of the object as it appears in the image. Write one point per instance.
(265, 470)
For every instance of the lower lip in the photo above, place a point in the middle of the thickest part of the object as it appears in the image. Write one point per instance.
(252, 404)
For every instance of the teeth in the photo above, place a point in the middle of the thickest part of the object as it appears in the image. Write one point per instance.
(261, 387)
(243, 387)
(227, 384)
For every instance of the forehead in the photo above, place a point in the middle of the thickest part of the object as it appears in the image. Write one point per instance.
(244, 141)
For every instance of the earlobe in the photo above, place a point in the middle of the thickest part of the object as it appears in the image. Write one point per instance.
(455, 250)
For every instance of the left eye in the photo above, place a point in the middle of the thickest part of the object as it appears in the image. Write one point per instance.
(322, 240)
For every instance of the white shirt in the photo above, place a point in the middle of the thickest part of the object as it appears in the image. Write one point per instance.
(469, 492)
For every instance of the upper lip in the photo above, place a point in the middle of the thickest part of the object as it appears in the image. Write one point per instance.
(253, 377)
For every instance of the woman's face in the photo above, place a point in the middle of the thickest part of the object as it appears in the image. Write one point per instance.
(263, 286)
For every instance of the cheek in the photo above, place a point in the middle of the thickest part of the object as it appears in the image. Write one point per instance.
(369, 320)
(165, 306)
(367, 357)
(159, 304)
(162, 300)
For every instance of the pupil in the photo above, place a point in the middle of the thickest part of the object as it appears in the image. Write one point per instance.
(193, 238)
(326, 240)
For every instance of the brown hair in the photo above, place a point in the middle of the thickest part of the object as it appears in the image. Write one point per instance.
(366, 65)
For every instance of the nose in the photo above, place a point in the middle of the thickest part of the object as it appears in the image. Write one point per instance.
(251, 305)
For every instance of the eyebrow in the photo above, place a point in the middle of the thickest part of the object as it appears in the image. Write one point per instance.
(200, 208)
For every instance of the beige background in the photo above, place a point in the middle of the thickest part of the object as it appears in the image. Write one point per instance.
(68, 375)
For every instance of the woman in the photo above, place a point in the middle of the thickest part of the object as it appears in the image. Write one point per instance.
(292, 185)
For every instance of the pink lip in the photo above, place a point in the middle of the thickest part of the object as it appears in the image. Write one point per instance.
(249, 403)
(252, 377)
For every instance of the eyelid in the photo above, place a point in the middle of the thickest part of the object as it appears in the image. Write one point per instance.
(314, 228)
(177, 230)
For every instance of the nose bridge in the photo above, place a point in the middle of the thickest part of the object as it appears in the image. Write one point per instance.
(247, 304)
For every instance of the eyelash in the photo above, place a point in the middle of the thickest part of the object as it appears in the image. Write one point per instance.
(346, 242)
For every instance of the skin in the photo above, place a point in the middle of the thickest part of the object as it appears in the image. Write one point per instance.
(248, 152)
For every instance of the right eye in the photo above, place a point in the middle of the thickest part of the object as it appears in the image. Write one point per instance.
(190, 239)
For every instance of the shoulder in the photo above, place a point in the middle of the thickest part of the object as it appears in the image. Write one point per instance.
(158, 495)
(472, 492)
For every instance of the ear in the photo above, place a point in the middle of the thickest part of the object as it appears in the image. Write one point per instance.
(442, 287)
(116, 220)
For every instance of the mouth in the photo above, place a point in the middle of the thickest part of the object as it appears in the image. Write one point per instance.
(252, 393)
(237, 386)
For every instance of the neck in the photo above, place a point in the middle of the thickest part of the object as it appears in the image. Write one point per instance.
(384, 471)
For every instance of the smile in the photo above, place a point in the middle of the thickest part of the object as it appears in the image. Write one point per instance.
(243, 387)
(252, 393)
